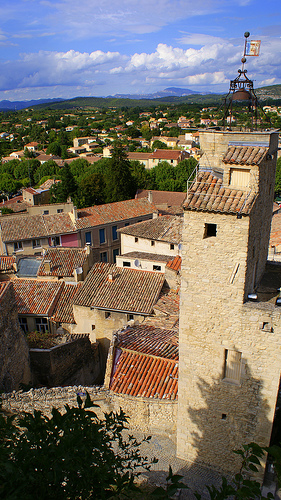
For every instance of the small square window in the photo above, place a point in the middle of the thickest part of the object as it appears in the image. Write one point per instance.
(136, 240)
(152, 243)
(172, 246)
(36, 243)
(127, 224)
(156, 268)
(59, 210)
(93, 327)
(210, 230)
(88, 238)
(17, 246)
(126, 264)
(46, 212)
(130, 317)
(107, 315)
(103, 256)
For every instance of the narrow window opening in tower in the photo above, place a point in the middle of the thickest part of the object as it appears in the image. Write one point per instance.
(210, 230)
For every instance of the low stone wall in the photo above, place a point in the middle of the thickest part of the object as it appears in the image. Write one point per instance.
(70, 363)
(145, 415)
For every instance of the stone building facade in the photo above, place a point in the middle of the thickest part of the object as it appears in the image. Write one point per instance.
(230, 325)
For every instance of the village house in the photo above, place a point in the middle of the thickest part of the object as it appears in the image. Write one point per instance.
(110, 297)
(173, 157)
(161, 236)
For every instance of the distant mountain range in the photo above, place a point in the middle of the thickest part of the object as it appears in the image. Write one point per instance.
(169, 92)
(17, 105)
(169, 95)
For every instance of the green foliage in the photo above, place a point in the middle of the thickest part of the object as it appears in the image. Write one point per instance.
(74, 455)
(120, 184)
(91, 190)
(278, 178)
(241, 486)
(67, 187)
(54, 148)
(173, 484)
(159, 145)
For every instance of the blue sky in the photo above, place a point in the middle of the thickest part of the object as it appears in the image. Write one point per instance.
(68, 48)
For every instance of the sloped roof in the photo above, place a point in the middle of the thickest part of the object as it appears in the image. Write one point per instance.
(36, 297)
(3, 288)
(6, 262)
(63, 261)
(63, 311)
(167, 154)
(171, 198)
(99, 215)
(146, 256)
(25, 227)
(131, 291)
(245, 155)
(165, 228)
(175, 264)
(146, 363)
(208, 194)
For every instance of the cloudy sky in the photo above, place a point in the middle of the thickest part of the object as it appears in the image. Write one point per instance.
(69, 48)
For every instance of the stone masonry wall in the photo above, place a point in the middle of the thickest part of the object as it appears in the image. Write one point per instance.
(146, 415)
(14, 357)
(216, 416)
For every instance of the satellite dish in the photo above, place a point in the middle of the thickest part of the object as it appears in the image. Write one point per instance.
(137, 263)
(179, 246)
(79, 270)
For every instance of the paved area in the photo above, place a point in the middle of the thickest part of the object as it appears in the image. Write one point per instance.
(195, 476)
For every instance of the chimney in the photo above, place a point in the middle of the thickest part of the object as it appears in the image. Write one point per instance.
(110, 277)
(149, 196)
(47, 266)
(75, 213)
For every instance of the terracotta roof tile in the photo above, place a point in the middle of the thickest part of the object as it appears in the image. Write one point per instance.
(245, 155)
(7, 262)
(63, 311)
(36, 297)
(130, 290)
(63, 261)
(99, 215)
(208, 194)
(166, 154)
(175, 264)
(146, 363)
(25, 227)
(150, 340)
(165, 228)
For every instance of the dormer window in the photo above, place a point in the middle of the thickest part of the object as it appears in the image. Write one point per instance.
(239, 177)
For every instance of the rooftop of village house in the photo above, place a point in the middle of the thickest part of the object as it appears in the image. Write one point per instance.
(116, 288)
(167, 228)
(146, 363)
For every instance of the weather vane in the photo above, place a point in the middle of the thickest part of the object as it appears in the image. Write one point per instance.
(242, 88)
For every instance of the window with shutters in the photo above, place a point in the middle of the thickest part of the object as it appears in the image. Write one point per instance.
(232, 366)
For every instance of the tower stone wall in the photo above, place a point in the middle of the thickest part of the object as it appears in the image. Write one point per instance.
(230, 355)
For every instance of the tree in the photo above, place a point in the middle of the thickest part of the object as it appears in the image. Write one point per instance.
(91, 190)
(54, 148)
(67, 187)
(71, 455)
(278, 178)
(120, 184)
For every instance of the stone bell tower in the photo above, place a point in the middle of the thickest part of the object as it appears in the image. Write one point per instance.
(230, 325)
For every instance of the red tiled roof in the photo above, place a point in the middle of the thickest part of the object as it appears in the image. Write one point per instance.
(175, 264)
(166, 228)
(35, 226)
(166, 154)
(63, 312)
(146, 363)
(36, 297)
(131, 291)
(4, 288)
(112, 212)
(171, 198)
(245, 155)
(208, 194)
(63, 261)
(30, 190)
(150, 340)
(6, 262)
